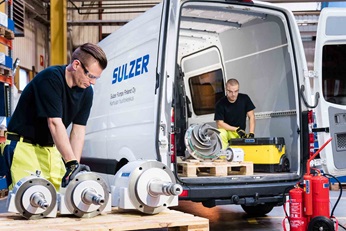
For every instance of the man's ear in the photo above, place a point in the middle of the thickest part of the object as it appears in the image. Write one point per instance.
(70, 67)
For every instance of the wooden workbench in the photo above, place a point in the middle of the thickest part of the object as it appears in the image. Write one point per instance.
(115, 220)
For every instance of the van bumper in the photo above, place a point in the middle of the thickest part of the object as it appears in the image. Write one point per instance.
(251, 194)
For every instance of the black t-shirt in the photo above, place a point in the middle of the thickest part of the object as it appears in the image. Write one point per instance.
(234, 114)
(49, 96)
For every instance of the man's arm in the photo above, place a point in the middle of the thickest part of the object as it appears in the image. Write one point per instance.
(77, 137)
(226, 126)
(252, 121)
(60, 138)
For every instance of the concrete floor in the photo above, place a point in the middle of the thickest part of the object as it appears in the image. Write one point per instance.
(232, 217)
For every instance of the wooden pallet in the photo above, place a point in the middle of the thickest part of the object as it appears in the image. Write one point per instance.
(197, 169)
(8, 34)
(335, 186)
(116, 220)
(5, 71)
(3, 193)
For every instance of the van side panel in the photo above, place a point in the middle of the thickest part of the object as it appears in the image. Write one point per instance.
(121, 123)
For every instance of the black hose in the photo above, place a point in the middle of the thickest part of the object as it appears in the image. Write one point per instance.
(337, 201)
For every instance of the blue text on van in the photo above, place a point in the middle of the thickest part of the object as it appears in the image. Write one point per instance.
(134, 68)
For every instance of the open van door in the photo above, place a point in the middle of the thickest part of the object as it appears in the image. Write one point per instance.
(330, 68)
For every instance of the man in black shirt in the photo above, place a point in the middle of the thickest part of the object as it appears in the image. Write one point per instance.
(37, 138)
(231, 112)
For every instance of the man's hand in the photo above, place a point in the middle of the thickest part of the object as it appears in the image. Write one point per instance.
(251, 135)
(72, 168)
(241, 133)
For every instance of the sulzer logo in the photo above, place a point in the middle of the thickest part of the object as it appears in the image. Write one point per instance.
(131, 69)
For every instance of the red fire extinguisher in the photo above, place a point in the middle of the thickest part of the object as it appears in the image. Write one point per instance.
(310, 203)
(297, 220)
(320, 196)
(307, 195)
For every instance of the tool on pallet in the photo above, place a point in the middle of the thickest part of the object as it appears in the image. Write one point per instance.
(86, 195)
(33, 197)
(309, 205)
(203, 142)
(148, 186)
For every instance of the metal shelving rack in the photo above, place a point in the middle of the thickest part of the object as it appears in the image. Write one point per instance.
(6, 66)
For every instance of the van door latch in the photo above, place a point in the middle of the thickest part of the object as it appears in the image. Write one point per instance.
(163, 129)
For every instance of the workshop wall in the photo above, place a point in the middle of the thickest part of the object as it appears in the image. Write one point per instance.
(33, 48)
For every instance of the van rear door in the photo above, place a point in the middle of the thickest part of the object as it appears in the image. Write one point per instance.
(330, 67)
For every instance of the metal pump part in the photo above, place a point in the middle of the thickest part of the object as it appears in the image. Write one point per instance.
(203, 142)
(148, 186)
(85, 196)
(33, 197)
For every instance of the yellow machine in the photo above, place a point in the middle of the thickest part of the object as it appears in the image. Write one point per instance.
(267, 153)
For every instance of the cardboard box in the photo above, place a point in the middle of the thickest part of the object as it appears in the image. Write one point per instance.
(3, 19)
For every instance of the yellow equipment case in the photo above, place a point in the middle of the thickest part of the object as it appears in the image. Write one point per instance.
(267, 153)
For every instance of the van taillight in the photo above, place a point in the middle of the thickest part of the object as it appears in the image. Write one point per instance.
(172, 137)
(185, 193)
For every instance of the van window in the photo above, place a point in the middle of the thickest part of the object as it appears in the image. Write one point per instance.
(334, 73)
(206, 89)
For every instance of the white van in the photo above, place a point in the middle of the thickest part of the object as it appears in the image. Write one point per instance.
(168, 67)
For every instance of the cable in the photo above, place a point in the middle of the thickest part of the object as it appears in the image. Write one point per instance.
(339, 197)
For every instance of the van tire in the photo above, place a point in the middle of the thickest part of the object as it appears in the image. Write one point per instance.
(258, 210)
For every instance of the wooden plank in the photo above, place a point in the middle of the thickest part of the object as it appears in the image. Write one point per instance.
(335, 186)
(197, 169)
(3, 193)
(115, 220)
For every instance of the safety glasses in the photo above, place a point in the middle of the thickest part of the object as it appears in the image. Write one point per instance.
(86, 72)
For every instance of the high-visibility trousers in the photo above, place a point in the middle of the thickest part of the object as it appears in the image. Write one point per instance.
(24, 159)
(226, 135)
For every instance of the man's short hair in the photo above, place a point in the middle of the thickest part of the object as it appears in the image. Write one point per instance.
(232, 82)
(88, 51)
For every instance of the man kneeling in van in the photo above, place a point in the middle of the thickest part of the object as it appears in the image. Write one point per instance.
(231, 112)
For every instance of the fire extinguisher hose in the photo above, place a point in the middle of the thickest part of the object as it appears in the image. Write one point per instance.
(316, 153)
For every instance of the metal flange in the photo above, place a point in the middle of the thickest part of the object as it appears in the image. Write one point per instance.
(34, 197)
(86, 195)
(151, 185)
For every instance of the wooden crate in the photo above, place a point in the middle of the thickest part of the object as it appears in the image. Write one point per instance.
(115, 220)
(208, 168)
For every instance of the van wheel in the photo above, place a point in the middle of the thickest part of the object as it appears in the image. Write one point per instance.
(258, 210)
